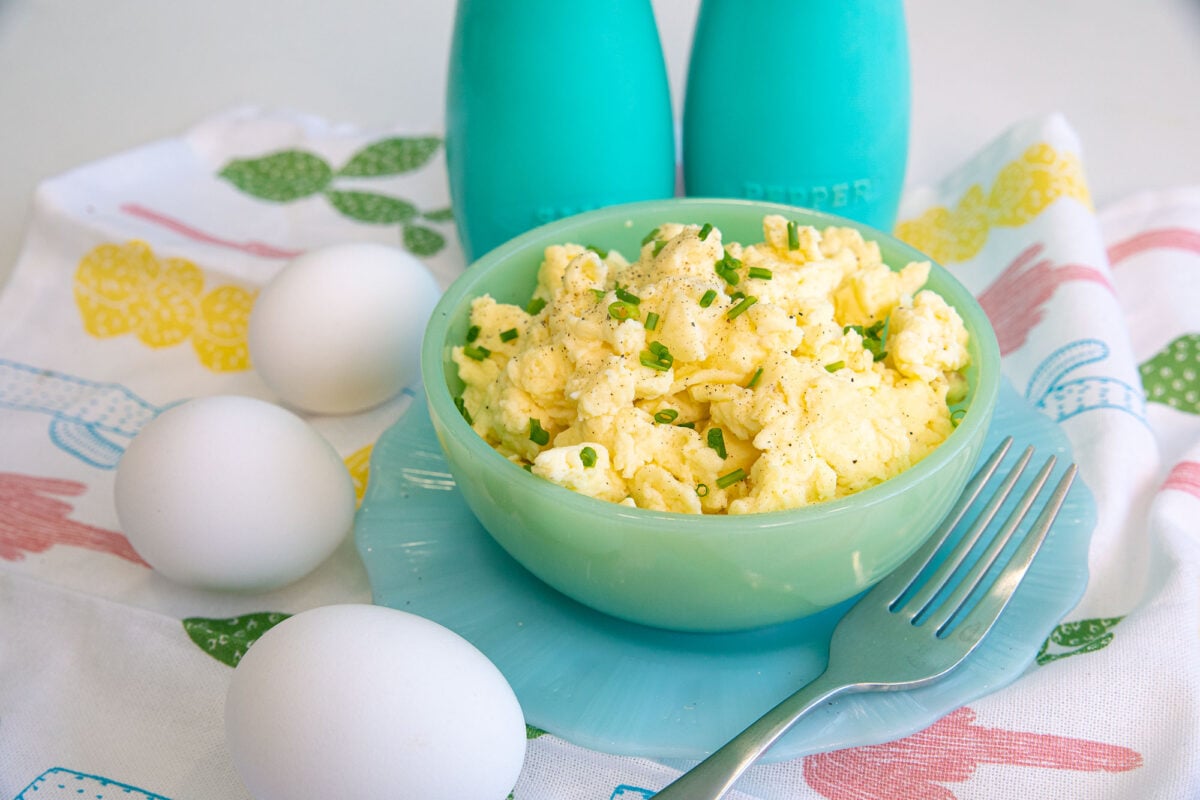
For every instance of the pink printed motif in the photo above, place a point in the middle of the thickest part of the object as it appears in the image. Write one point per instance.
(1184, 239)
(950, 751)
(183, 229)
(1185, 477)
(1014, 302)
(32, 520)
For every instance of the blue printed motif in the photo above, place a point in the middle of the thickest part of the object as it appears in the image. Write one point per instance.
(84, 414)
(624, 792)
(58, 783)
(1062, 399)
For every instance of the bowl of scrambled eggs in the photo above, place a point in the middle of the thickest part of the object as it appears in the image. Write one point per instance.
(709, 415)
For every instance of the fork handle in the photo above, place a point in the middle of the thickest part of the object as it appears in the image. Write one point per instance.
(715, 775)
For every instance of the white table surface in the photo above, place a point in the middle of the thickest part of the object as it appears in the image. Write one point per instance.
(80, 80)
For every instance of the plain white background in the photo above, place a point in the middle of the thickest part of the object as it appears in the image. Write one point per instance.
(81, 80)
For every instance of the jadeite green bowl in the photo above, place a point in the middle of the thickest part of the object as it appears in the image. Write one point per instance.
(681, 571)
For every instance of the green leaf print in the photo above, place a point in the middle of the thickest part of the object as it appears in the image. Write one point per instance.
(391, 157)
(440, 215)
(227, 640)
(422, 241)
(1075, 638)
(1172, 376)
(279, 177)
(376, 209)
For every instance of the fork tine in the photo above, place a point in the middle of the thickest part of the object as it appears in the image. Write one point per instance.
(901, 580)
(979, 568)
(979, 619)
(921, 600)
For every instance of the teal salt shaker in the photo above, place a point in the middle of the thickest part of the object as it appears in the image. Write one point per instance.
(803, 102)
(553, 107)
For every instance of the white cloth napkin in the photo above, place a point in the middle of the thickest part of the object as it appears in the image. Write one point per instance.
(112, 679)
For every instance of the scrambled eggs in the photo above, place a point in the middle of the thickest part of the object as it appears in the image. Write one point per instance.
(712, 377)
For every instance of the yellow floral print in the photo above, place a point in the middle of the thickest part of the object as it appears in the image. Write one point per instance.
(359, 463)
(125, 289)
(1023, 189)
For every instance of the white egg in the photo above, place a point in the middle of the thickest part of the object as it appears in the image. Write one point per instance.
(233, 493)
(367, 702)
(338, 330)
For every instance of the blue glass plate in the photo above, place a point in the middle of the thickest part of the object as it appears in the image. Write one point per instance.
(621, 688)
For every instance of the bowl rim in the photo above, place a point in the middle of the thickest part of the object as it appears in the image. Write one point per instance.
(971, 428)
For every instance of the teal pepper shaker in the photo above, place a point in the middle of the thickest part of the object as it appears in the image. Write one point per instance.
(553, 108)
(803, 102)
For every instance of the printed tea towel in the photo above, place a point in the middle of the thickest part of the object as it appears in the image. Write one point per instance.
(133, 291)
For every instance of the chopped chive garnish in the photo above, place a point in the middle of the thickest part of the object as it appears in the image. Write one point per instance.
(793, 236)
(741, 307)
(716, 440)
(527, 467)
(598, 294)
(600, 251)
(535, 306)
(705, 230)
(477, 353)
(762, 273)
(755, 378)
(627, 296)
(874, 338)
(737, 297)
(688, 425)
(508, 335)
(472, 333)
(707, 298)
(658, 247)
(651, 321)
(834, 366)
(667, 415)
(657, 357)
(621, 310)
(537, 434)
(588, 456)
(730, 478)
(649, 237)
(702, 489)
(727, 268)
(461, 405)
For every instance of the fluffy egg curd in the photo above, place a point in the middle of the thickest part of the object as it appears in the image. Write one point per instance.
(711, 377)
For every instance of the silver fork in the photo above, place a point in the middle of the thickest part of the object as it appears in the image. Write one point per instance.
(910, 629)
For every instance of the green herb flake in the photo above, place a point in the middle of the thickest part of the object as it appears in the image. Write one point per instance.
(755, 378)
(599, 294)
(472, 333)
(535, 306)
(461, 405)
(707, 298)
(666, 416)
(478, 353)
(793, 234)
(651, 321)
(650, 237)
(716, 440)
(600, 251)
(658, 248)
(730, 478)
(761, 273)
(627, 296)
(834, 366)
(741, 307)
(509, 335)
(702, 489)
(705, 230)
(620, 310)
(689, 425)
(588, 456)
(537, 434)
